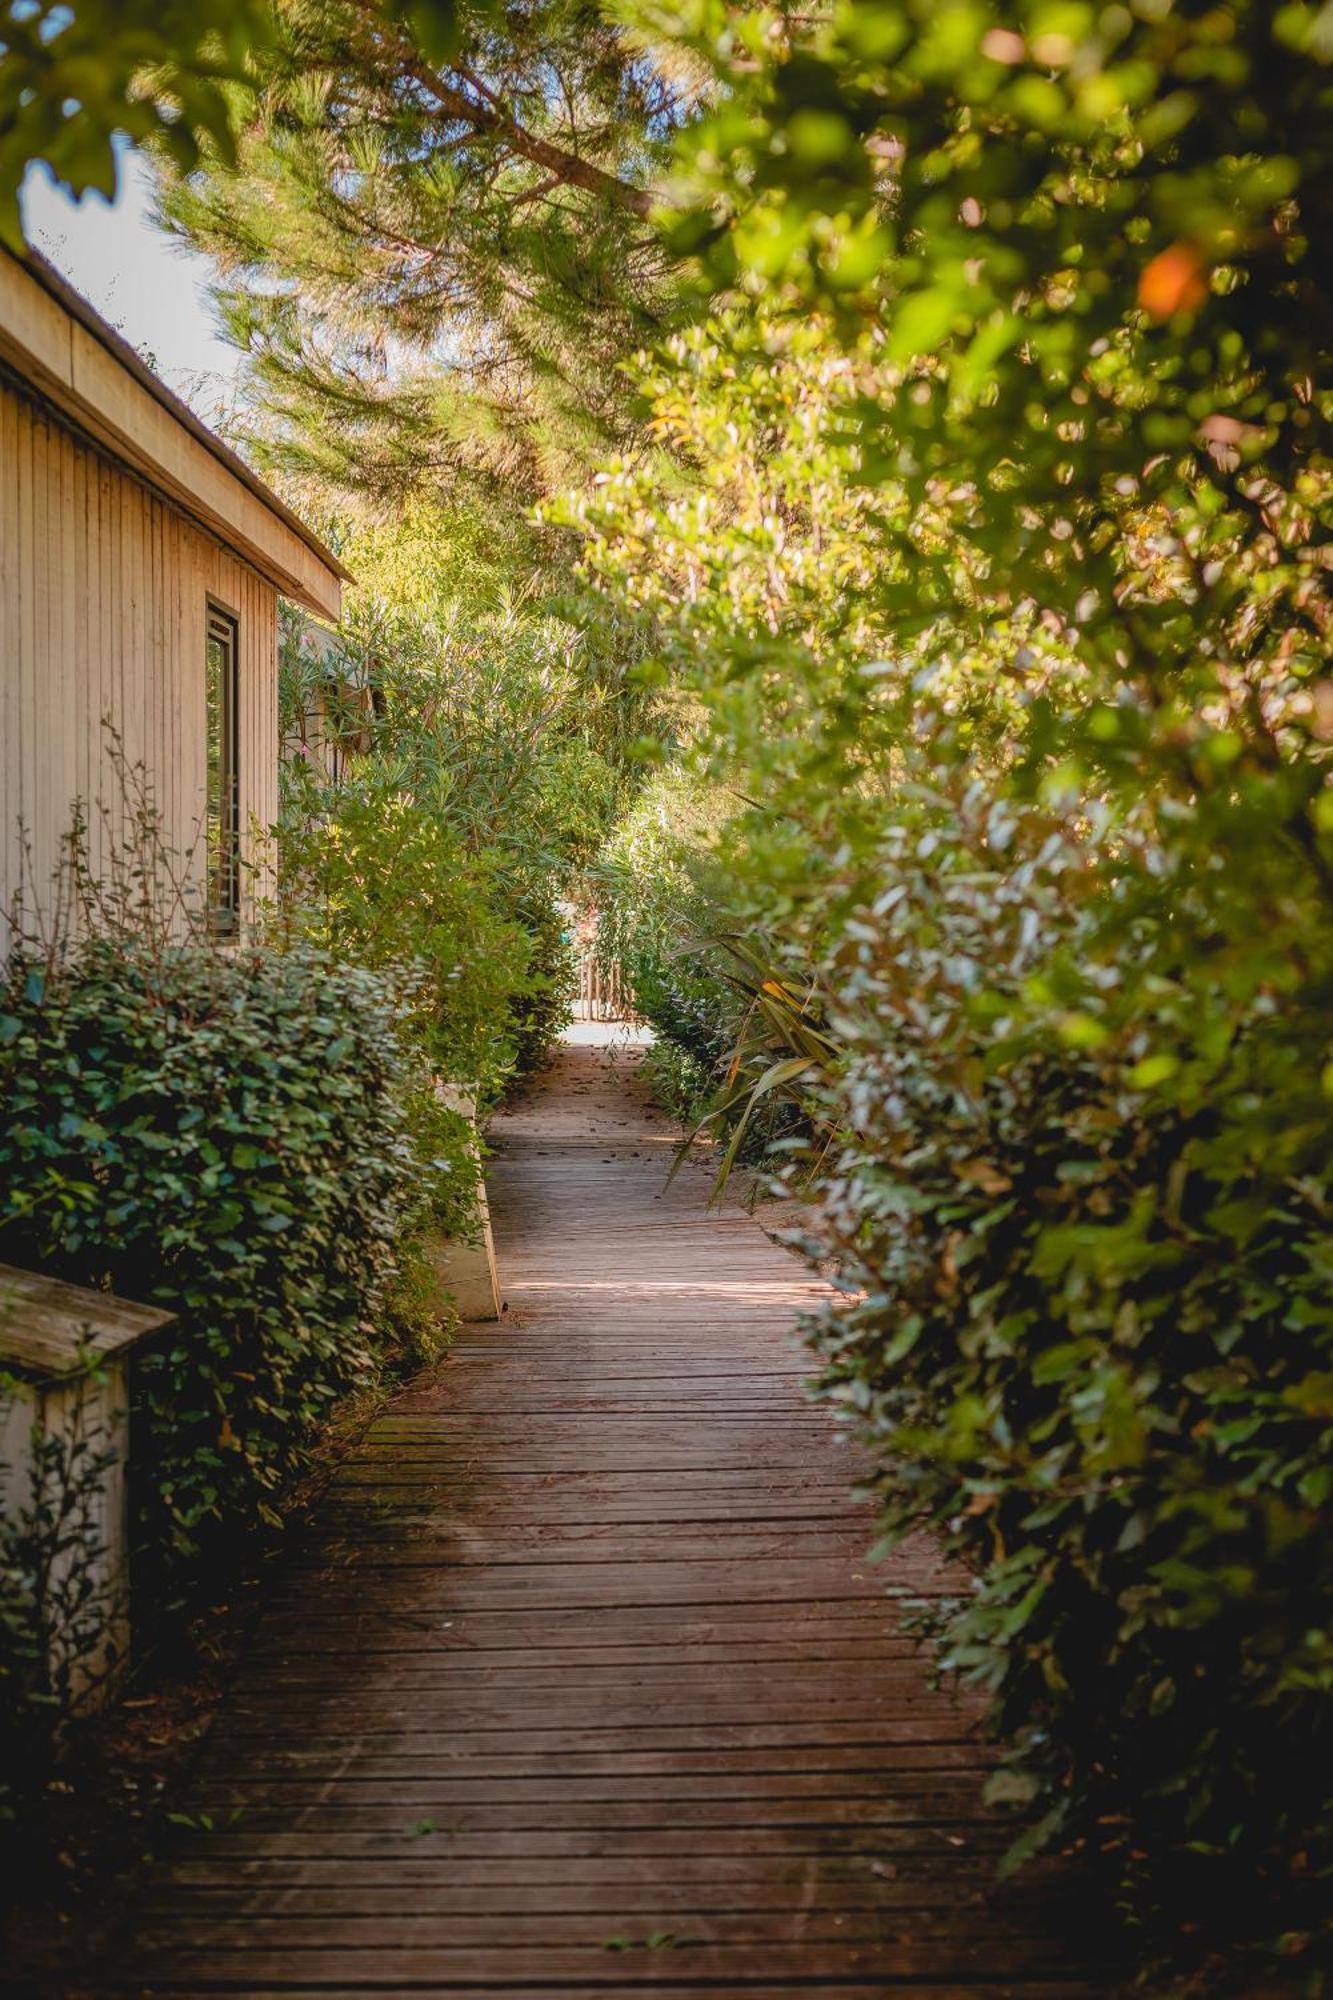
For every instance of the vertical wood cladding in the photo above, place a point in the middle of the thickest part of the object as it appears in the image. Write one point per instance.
(104, 596)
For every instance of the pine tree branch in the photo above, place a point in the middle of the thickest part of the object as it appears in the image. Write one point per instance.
(480, 85)
(565, 166)
(494, 121)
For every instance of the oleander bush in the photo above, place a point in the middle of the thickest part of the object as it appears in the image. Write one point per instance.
(701, 976)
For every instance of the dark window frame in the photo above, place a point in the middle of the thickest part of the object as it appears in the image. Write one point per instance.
(223, 806)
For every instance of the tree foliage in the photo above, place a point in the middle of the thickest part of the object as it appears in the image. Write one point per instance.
(74, 78)
(435, 260)
(987, 541)
(479, 740)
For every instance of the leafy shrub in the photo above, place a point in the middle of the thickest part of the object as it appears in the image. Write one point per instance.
(480, 766)
(675, 1080)
(1089, 1330)
(737, 1043)
(653, 913)
(375, 874)
(225, 1135)
(542, 1009)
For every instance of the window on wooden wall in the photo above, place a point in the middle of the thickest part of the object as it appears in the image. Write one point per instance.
(223, 828)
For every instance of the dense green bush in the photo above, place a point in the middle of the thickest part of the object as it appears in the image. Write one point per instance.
(652, 924)
(1088, 1328)
(227, 1135)
(737, 1043)
(478, 737)
(375, 874)
(540, 1012)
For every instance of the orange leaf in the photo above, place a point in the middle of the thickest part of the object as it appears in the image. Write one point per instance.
(1175, 281)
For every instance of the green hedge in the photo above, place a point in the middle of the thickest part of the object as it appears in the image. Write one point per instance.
(1083, 1220)
(239, 1137)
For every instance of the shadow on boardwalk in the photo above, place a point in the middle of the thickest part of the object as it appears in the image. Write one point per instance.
(583, 1684)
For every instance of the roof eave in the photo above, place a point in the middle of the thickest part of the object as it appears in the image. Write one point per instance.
(52, 338)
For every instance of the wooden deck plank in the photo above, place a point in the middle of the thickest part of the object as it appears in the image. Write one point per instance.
(559, 1964)
(630, 1987)
(585, 1646)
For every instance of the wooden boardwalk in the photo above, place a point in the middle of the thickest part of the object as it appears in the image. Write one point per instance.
(583, 1685)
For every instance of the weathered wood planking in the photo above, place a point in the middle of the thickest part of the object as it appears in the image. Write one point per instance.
(48, 1328)
(64, 1358)
(584, 1650)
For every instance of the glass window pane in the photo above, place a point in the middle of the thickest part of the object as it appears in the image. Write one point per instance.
(222, 820)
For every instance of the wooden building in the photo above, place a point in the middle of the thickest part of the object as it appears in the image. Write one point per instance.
(141, 562)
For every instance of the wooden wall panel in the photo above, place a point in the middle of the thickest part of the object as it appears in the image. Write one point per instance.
(104, 587)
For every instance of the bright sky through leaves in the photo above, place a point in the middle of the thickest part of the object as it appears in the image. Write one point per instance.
(150, 289)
